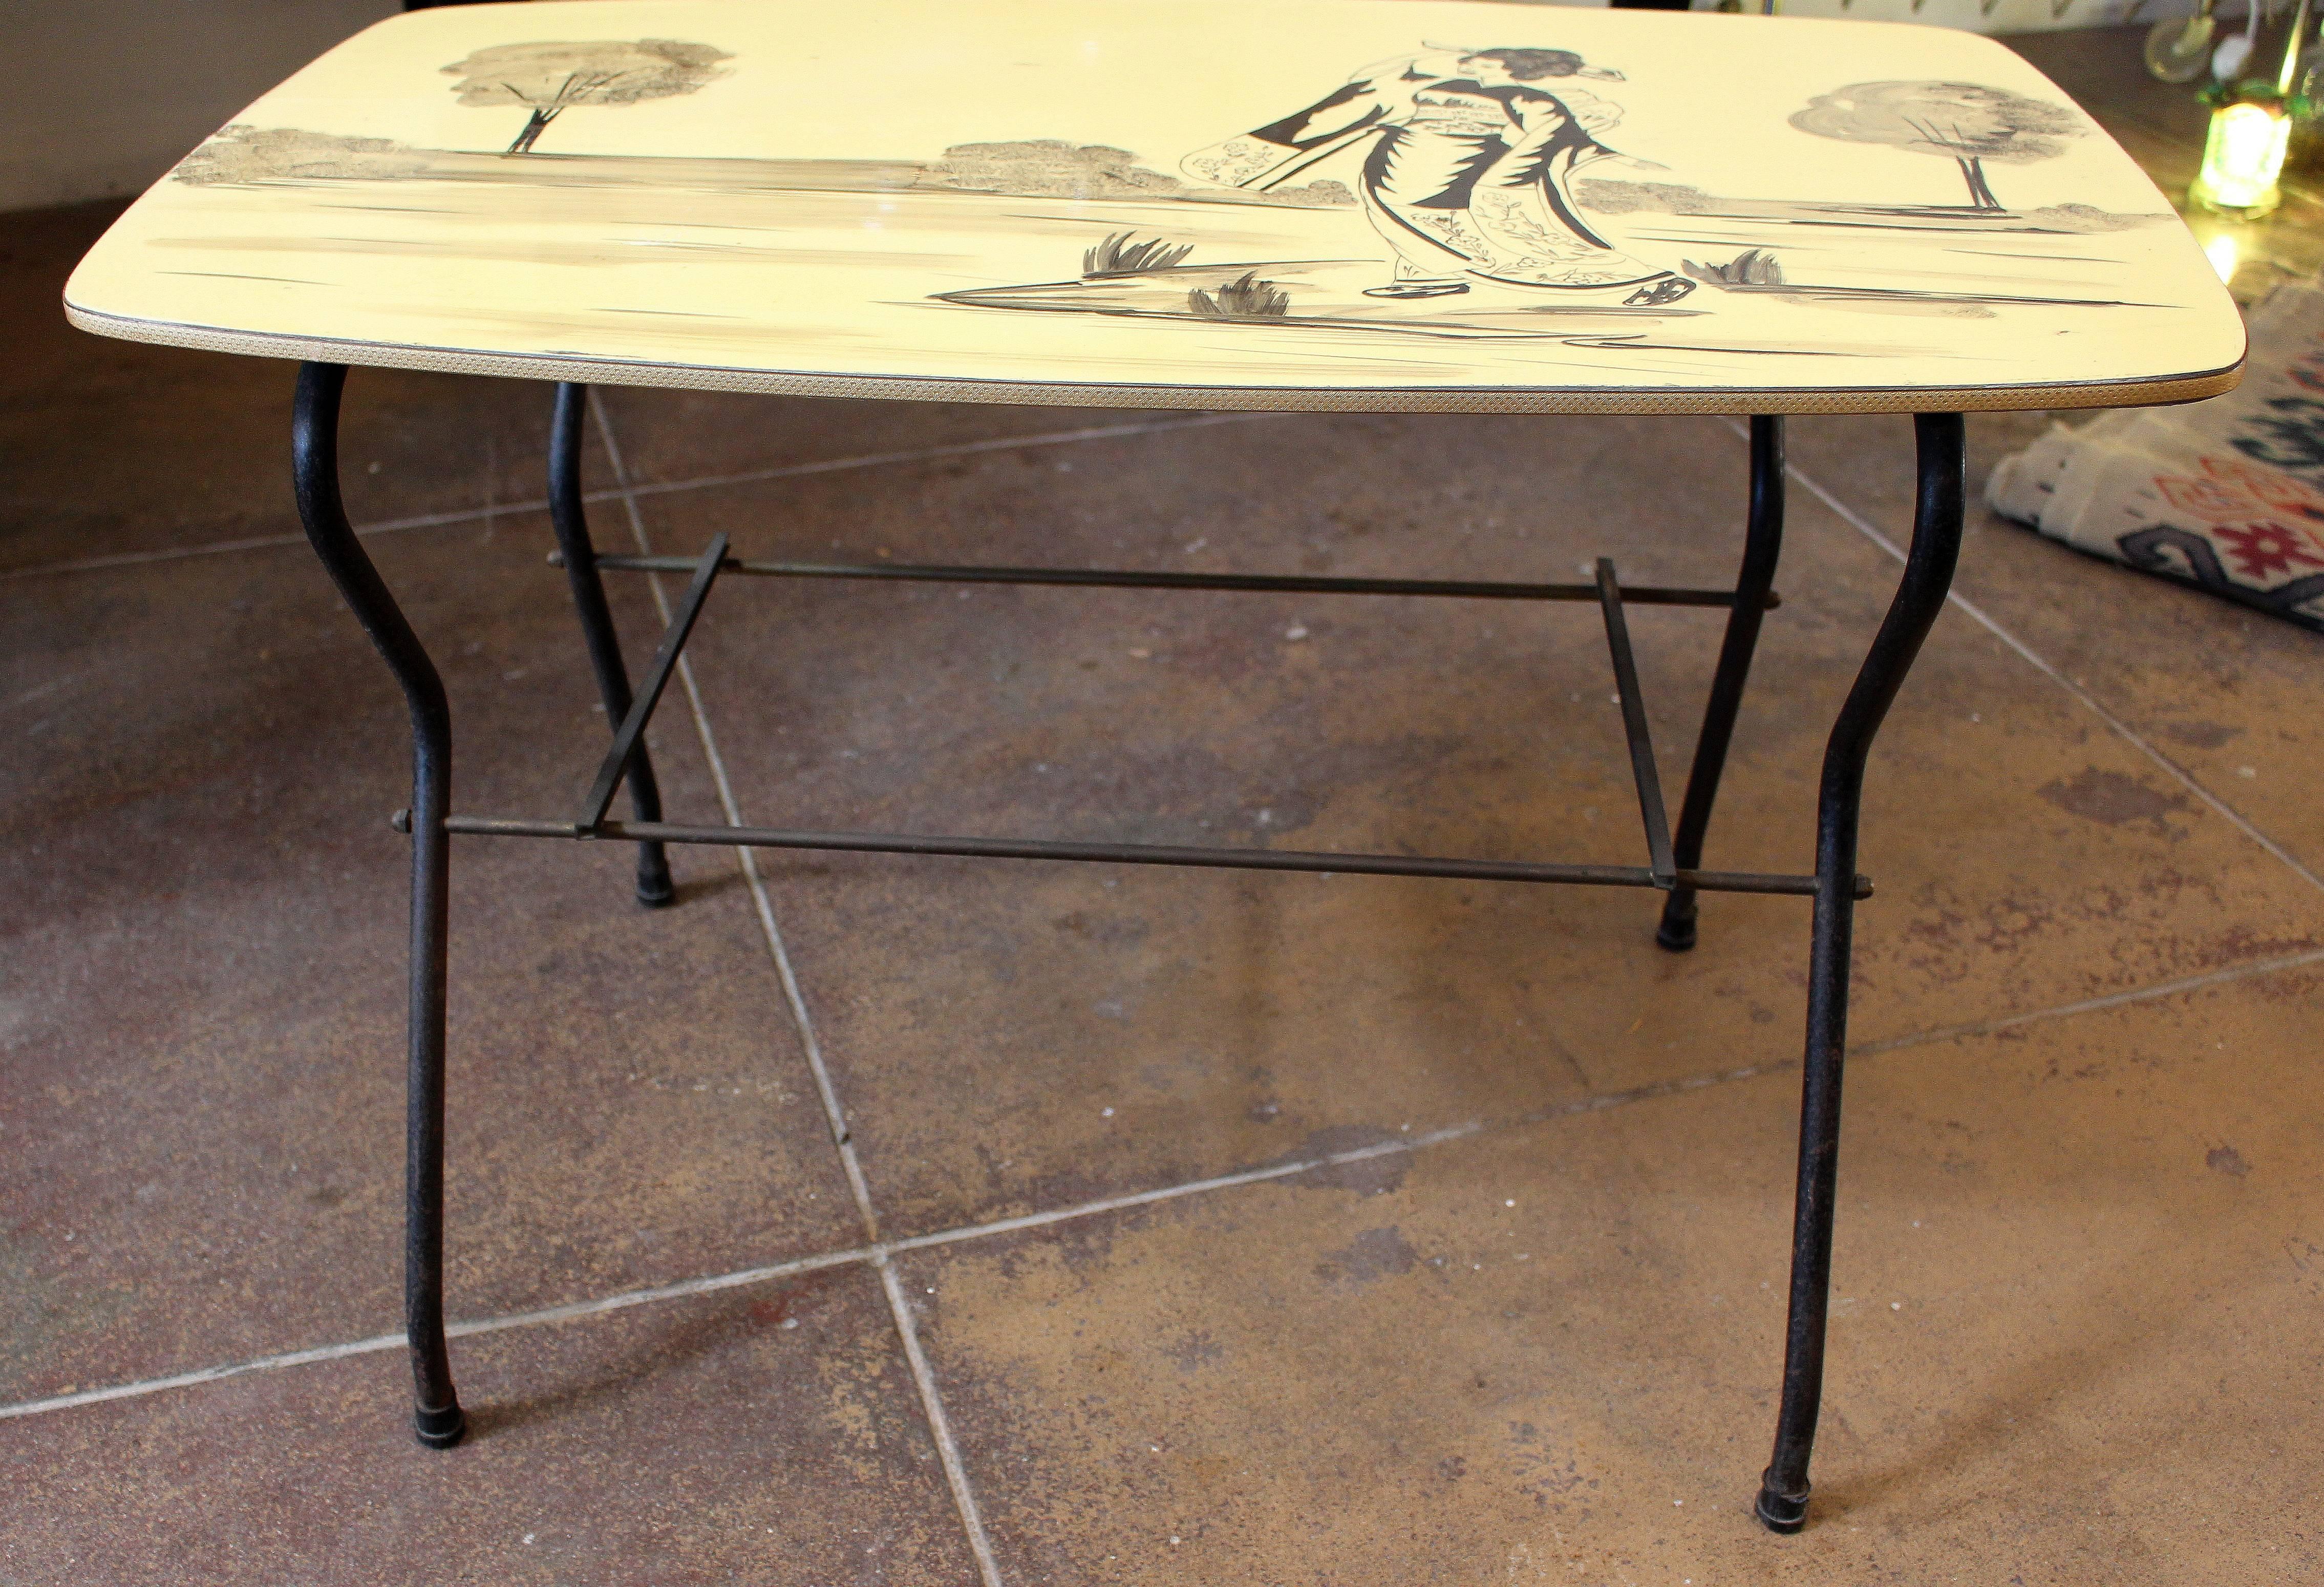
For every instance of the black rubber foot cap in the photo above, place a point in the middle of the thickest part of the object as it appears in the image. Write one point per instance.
(654, 887)
(1676, 934)
(1781, 1513)
(440, 1429)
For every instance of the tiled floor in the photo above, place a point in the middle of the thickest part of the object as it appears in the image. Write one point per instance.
(1190, 1226)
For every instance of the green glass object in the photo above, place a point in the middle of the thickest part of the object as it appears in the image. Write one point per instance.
(2242, 156)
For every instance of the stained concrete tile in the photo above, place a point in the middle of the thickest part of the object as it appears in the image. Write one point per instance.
(116, 448)
(981, 1021)
(2075, 1278)
(204, 934)
(1222, 1019)
(668, 436)
(767, 1434)
(2026, 856)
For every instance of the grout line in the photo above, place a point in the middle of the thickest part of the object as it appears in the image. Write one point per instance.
(834, 1115)
(2178, 774)
(486, 513)
(1058, 438)
(2114, 1000)
(880, 1253)
(972, 1519)
(625, 491)
(573, 1310)
(265, 1363)
(262, 542)
(133, 559)
(1259, 1176)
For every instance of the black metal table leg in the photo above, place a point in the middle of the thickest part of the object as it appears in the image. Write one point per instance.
(1763, 542)
(1673, 861)
(1920, 595)
(571, 518)
(314, 474)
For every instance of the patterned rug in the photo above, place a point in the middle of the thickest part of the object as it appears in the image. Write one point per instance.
(2226, 495)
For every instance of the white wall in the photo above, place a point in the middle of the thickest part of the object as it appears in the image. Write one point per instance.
(1996, 16)
(1979, 16)
(98, 98)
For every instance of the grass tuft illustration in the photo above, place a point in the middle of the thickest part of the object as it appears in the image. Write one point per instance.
(1122, 254)
(1244, 298)
(1753, 267)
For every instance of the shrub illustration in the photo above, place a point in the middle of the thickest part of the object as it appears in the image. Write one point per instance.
(1245, 297)
(1122, 254)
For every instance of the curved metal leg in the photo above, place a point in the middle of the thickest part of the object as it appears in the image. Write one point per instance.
(314, 474)
(1920, 595)
(1763, 542)
(571, 518)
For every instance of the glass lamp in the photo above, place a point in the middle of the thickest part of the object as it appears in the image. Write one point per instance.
(2250, 128)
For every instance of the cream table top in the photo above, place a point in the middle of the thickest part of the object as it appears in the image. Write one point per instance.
(1380, 205)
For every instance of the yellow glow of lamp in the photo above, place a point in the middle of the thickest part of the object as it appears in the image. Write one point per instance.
(2242, 158)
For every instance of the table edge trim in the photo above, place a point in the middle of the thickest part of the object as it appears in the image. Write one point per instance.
(2151, 392)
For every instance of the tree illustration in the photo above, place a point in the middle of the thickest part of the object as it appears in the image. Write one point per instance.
(548, 79)
(1966, 123)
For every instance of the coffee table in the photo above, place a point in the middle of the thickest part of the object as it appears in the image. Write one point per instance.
(1370, 206)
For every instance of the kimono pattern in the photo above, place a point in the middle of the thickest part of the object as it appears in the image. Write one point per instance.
(1465, 179)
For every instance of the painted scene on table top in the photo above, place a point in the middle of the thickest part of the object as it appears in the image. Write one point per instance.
(1475, 211)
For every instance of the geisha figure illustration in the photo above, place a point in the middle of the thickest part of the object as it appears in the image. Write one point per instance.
(1466, 176)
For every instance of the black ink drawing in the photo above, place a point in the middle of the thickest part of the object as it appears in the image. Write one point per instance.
(241, 154)
(1124, 253)
(1452, 195)
(1244, 298)
(1466, 172)
(1054, 168)
(548, 79)
(1469, 164)
(1963, 122)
